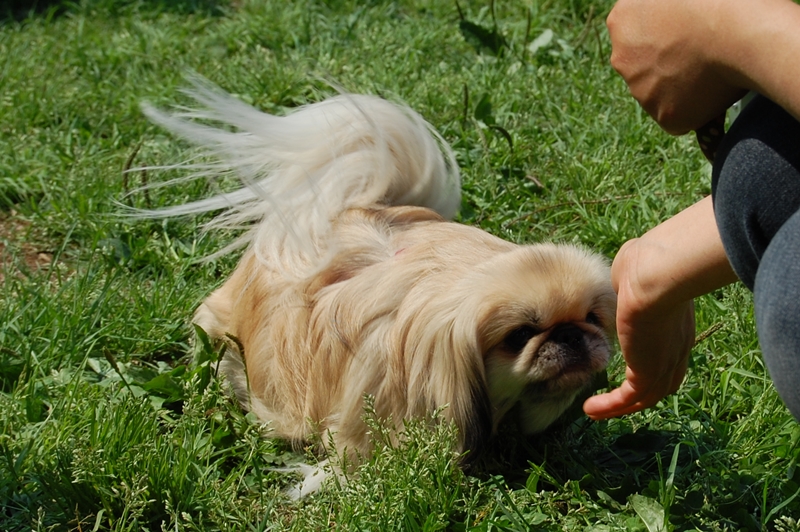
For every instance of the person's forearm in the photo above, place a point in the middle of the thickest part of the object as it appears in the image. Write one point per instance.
(687, 61)
(759, 46)
(678, 260)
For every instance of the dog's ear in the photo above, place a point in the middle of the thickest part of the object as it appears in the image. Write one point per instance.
(474, 422)
(468, 396)
(447, 371)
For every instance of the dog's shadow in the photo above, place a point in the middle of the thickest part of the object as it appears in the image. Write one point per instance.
(578, 450)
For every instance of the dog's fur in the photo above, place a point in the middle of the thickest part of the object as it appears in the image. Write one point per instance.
(355, 283)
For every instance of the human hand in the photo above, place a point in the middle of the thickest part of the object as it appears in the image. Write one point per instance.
(655, 339)
(667, 53)
(656, 278)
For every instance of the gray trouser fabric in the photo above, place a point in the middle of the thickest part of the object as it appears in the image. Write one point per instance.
(756, 193)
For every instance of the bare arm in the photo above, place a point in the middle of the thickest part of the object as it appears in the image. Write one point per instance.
(656, 278)
(686, 61)
(762, 54)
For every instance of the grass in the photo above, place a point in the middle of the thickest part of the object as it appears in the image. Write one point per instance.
(106, 427)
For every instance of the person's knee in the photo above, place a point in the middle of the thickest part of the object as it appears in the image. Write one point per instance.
(739, 201)
(756, 183)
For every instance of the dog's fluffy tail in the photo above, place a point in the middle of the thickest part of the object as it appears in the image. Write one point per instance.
(301, 170)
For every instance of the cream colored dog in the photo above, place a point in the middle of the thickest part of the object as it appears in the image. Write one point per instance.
(354, 282)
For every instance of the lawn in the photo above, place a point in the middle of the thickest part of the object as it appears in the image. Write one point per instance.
(108, 424)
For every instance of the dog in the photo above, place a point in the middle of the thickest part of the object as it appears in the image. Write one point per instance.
(355, 282)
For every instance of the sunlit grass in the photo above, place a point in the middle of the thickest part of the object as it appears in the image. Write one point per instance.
(104, 424)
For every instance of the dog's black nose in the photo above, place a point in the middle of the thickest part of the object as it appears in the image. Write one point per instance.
(568, 335)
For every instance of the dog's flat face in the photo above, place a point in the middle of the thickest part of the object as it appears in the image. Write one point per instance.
(546, 331)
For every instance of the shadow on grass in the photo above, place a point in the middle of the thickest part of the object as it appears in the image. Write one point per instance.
(620, 466)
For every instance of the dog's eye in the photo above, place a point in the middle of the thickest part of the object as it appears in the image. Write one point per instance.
(517, 339)
(593, 319)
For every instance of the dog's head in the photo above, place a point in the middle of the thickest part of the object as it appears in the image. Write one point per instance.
(529, 327)
(545, 331)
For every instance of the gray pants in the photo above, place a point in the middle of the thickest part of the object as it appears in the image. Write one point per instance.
(756, 193)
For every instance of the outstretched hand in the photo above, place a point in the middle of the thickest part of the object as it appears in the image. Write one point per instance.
(655, 339)
(656, 278)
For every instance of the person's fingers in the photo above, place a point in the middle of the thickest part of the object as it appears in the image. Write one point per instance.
(633, 396)
(623, 400)
(599, 414)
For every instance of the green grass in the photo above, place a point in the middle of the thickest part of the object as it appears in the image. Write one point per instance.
(103, 425)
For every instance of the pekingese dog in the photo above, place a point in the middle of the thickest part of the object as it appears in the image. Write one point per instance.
(354, 281)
